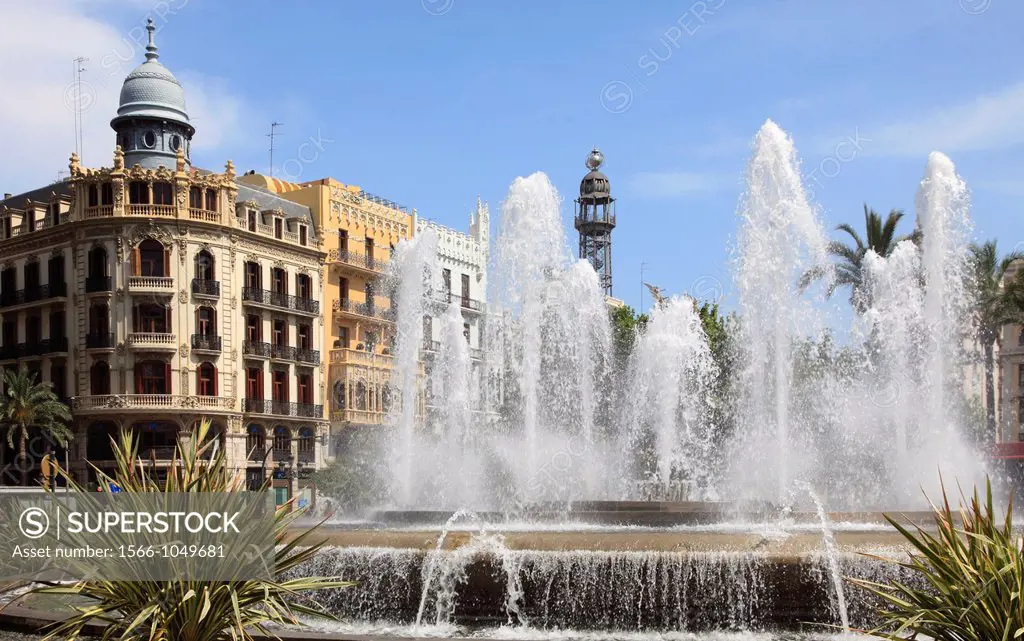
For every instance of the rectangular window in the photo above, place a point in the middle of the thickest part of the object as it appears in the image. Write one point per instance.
(252, 220)
(280, 333)
(57, 325)
(278, 227)
(153, 378)
(446, 280)
(280, 386)
(465, 290)
(304, 335)
(58, 378)
(253, 325)
(31, 275)
(252, 275)
(162, 194)
(369, 249)
(343, 240)
(211, 200)
(303, 285)
(138, 193)
(254, 382)
(342, 337)
(302, 235)
(343, 288)
(465, 331)
(195, 198)
(305, 388)
(278, 282)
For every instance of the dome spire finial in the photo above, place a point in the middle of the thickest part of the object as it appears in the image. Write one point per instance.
(151, 53)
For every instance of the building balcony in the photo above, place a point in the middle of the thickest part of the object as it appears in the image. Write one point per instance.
(34, 294)
(98, 284)
(165, 211)
(306, 454)
(282, 408)
(359, 417)
(100, 211)
(347, 356)
(282, 454)
(151, 284)
(208, 288)
(282, 352)
(57, 345)
(157, 402)
(362, 311)
(280, 300)
(206, 343)
(361, 262)
(100, 340)
(308, 356)
(152, 340)
(204, 215)
(256, 348)
(8, 352)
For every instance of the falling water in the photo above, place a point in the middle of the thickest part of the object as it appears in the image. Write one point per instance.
(451, 392)
(832, 554)
(780, 240)
(671, 372)
(412, 270)
(430, 566)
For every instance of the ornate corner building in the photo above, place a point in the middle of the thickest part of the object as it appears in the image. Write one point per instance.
(153, 294)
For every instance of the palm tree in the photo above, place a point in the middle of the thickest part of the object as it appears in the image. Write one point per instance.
(27, 404)
(998, 301)
(881, 238)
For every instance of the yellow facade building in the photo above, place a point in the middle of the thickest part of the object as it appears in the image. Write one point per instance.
(360, 232)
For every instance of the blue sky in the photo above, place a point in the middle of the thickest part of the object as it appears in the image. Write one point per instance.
(432, 102)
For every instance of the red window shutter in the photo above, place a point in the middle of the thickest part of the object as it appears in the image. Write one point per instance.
(136, 262)
(167, 263)
(167, 319)
(216, 377)
(167, 379)
(199, 380)
(138, 378)
(259, 384)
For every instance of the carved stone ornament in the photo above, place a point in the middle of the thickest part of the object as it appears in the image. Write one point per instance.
(183, 350)
(183, 297)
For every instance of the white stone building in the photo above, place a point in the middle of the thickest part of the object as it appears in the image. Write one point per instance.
(462, 260)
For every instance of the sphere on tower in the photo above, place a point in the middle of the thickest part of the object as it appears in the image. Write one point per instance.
(595, 219)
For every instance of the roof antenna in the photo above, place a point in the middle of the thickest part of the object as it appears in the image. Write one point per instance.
(274, 125)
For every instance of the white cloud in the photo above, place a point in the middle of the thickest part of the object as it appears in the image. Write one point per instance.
(37, 104)
(674, 184)
(987, 122)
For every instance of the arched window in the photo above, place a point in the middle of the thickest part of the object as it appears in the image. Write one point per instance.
(206, 379)
(99, 378)
(206, 321)
(282, 442)
(163, 193)
(204, 265)
(385, 397)
(339, 395)
(94, 196)
(360, 396)
(151, 258)
(307, 443)
(255, 442)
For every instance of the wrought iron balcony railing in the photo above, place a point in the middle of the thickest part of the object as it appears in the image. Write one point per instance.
(203, 287)
(100, 340)
(95, 284)
(206, 342)
(279, 299)
(256, 348)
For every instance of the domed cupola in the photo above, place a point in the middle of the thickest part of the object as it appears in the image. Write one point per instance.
(152, 123)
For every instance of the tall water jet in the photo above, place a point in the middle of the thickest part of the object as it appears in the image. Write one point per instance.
(671, 372)
(780, 241)
(530, 249)
(411, 274)
(452, 389)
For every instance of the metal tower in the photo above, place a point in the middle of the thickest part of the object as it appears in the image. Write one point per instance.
(595, 220)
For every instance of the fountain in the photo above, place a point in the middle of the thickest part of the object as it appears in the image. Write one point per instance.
(627, 496)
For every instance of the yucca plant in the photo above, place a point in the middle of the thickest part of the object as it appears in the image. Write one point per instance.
(971, 576)
(185, 610)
